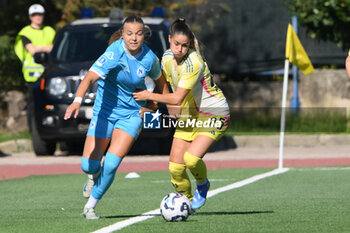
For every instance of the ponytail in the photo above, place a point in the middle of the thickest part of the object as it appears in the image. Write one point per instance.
(115, 36)
(180, 26)
(196, 46)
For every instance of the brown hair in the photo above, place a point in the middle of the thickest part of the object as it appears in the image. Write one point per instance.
(130, 19)
(180, 26)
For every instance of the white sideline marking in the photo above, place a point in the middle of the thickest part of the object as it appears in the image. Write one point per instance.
(246, 181)
(322, 169)
(153, 213)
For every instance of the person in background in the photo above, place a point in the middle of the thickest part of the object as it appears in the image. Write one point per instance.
(196, 95)
(30, 40)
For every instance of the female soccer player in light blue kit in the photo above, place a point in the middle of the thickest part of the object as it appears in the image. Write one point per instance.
(116, 120)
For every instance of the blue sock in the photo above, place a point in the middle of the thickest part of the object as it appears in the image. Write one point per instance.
(109, 168)
(90, 166)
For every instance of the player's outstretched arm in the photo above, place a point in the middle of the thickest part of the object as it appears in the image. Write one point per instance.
(170, 98)
(73, 109)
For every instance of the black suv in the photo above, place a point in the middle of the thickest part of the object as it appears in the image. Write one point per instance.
(75, 49)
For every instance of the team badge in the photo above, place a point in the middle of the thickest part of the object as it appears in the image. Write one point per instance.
(140, 72)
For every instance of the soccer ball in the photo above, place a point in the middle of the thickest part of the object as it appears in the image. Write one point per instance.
(175, 207)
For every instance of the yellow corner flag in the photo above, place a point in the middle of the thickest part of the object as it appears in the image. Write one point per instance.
(296, 54)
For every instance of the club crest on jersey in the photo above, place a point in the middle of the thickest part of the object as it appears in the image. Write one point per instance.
(140, 72)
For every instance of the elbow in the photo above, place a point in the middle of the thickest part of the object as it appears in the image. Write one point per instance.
(177, 101)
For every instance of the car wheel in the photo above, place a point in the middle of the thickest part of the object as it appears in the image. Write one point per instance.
(41, 147)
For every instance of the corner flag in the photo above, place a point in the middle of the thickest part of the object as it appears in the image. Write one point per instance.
(295, 52)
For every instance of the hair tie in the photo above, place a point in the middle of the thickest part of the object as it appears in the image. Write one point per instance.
(182, 20)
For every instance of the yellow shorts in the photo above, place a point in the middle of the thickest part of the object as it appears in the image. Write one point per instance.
(211, 126)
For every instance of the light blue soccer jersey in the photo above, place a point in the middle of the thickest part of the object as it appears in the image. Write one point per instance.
(121, 74)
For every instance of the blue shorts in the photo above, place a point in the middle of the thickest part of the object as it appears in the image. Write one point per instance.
(103, 128)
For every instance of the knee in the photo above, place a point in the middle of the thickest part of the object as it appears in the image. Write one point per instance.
(90, 166)
(191, 161)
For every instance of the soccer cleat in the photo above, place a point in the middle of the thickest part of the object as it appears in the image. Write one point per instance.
(90, 184)
(88, 187)
(89, 213)
(200, 195)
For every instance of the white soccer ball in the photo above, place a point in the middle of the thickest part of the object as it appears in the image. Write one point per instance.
(175, 207)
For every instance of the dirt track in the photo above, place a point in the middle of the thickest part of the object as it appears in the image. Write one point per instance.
(25, 164)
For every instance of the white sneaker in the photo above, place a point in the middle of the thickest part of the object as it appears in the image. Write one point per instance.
(90, 184)
(89, 213)
(88, 187)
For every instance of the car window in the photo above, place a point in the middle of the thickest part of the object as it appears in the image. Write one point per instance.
(82, 44)
(157, 42)
(87, 44)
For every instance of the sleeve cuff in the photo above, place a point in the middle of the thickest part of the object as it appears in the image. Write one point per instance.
(98, 72)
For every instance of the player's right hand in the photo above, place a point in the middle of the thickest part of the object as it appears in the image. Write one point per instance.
(72, 109)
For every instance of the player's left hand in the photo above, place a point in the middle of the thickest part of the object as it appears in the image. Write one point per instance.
(140, 95)
(152, 106)
(144, 109)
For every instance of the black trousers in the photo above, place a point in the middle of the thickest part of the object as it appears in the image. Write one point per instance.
(30, 104)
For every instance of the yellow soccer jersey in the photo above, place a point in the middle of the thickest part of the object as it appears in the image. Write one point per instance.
(193, 73)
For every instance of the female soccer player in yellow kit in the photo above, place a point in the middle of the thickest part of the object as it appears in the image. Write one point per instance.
(197, 95)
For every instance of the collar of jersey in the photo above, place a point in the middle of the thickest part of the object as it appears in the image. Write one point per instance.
(131, 56)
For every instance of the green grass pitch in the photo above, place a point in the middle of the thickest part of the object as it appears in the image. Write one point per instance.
(301, 200)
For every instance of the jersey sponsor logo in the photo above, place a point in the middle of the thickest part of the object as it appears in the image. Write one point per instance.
(140, 72)
(101, 61)
(126, 69)
(109, 55)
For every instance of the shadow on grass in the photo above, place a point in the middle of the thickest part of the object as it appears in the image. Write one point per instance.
(198, 213)
(131, 216)
(234, 212)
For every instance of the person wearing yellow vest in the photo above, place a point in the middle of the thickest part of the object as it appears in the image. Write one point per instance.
(32, 39)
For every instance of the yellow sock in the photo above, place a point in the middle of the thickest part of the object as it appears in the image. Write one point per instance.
(196, 166)
(179, 179)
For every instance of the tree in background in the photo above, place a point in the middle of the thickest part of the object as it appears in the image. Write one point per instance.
(201, 14)
(101, 8)
(327, 20)
(209, 21)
